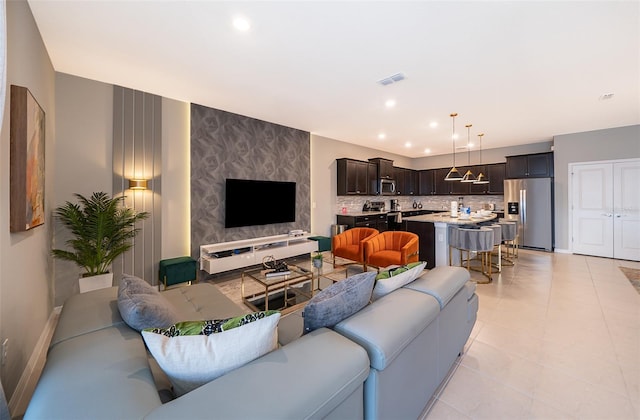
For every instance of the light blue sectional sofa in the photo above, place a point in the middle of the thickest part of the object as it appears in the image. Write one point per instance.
(383, 362)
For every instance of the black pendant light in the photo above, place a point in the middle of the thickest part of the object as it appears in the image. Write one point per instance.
(468, 176)
(453, 174)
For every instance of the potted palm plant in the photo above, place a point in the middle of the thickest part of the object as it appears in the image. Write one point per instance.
(102, 229)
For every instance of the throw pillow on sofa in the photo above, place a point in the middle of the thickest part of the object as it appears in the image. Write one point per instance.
(142, 306)
(389, 280)
(193, 353)
(338, 301)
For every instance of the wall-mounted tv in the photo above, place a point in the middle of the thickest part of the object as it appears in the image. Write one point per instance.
(251, 202)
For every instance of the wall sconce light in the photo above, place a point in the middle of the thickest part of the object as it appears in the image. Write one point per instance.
(138, 184)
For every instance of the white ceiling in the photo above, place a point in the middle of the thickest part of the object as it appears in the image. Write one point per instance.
(520, 72)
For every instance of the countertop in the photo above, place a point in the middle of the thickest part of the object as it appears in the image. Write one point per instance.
(445, 217)
(376, 213)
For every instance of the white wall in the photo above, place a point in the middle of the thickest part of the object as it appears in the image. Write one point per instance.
(25, 284)
(324, 152)
(591, 146)
(176, 184)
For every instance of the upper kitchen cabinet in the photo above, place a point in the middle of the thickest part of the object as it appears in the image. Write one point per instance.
(537, 165)
(426, 184)
(495, 174)
(443, 187)
(476, 189)
(384, 167)
(406, 181)
(356, 177)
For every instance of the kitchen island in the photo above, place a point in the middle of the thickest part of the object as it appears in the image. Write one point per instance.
(433, 230)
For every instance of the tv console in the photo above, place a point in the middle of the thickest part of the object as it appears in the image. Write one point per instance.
(225, 256)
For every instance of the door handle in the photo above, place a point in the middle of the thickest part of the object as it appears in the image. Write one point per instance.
(618, 216)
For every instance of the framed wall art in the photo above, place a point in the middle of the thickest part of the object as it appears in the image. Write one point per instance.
(26, 181)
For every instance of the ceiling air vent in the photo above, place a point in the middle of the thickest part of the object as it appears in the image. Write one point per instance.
(392, 79)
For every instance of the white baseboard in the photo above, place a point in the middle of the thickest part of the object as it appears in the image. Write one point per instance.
(562, 251)
(27, 384)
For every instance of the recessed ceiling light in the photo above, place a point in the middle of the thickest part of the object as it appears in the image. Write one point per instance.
(390, 103)
(427, 150)
(382, 136)
(241, 24)
(433, 124)
(407, 144)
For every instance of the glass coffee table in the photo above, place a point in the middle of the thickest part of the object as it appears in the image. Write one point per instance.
(283, 292)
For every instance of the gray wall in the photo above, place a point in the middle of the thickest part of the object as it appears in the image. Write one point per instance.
(26, 289)
(226, 145)
(324, 200)
(488, 156)
(590, 146)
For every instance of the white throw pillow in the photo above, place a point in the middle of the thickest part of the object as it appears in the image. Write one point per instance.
(193, 353)
(389, 280)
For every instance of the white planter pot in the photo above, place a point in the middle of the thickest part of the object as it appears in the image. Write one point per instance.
(100, 281)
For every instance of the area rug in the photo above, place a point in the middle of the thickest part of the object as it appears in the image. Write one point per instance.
(633, 274)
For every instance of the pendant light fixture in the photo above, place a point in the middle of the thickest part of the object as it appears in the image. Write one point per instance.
(468, 176)
(482, 179)
(453, 174)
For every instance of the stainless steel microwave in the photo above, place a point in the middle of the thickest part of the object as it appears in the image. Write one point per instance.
(387, 187)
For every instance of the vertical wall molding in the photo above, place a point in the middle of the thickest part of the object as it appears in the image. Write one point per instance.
(137, 153)
(226, 145)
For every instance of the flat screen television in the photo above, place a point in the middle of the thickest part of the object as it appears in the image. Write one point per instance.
(252, 202)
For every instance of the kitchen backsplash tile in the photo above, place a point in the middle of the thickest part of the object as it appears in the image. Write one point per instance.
(441, 202)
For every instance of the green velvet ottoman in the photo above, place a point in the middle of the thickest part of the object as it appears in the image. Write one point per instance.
(324, 243)
(177, 270)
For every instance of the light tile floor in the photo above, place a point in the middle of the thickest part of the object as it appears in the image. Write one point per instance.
(557, 337)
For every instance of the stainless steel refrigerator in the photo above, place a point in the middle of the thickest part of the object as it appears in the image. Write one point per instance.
(530, 203)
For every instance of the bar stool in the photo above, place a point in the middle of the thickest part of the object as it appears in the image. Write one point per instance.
(479, 241)
(497, 246)
(510, 240)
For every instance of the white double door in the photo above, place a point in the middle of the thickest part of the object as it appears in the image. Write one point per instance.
(605, 207)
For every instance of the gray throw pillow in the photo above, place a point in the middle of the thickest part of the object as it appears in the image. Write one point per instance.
(338, 301)
(142, 306)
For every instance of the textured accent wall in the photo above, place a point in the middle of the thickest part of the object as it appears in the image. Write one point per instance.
(137, 153)
(226, 145)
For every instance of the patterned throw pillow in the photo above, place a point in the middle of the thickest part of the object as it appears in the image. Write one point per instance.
(338, 301)
(389, 280)
(193, 353)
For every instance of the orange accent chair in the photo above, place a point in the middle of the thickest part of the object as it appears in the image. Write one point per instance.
(391, 247)
(350, 244)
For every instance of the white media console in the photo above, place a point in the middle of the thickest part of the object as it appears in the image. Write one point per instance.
(225, 256)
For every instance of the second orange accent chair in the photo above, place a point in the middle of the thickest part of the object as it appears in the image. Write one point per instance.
(391, 248)
(350, 244)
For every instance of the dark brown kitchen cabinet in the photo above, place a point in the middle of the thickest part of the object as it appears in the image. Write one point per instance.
(410, 182)
(372, 179)
(457, 187)
(537, 165)
(495, 174)
(426, 184)
(353, 177)
(477, 189)
(398, 175)
(375, 221)
(442, 187)
(384, 167)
